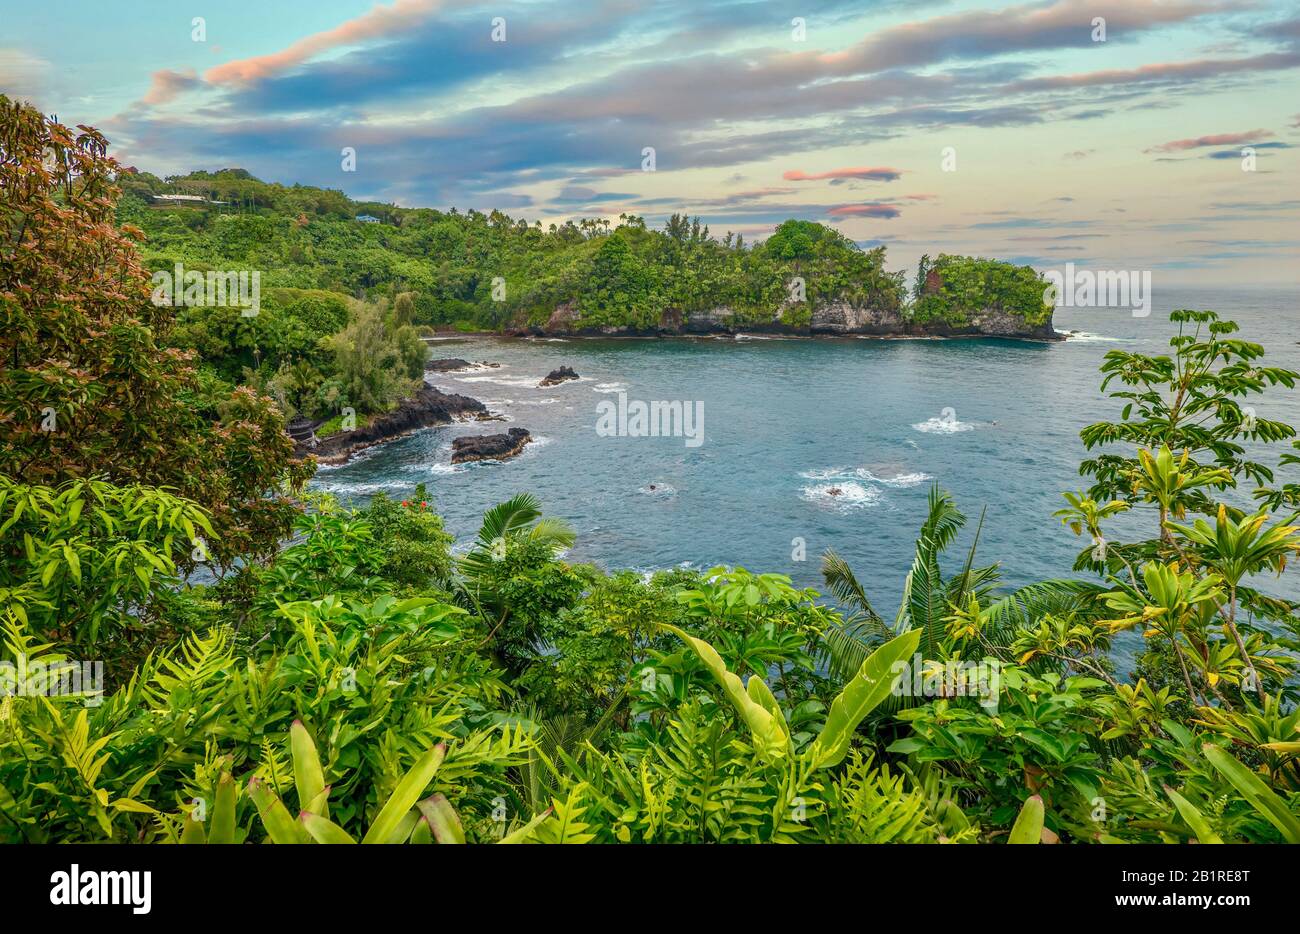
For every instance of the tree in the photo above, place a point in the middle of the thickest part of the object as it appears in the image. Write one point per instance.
(88, 389)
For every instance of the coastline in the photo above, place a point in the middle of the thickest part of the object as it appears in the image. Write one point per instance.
(429, 407)
(1048, 336)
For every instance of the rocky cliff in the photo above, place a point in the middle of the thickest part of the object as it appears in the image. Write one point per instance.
(834, 318)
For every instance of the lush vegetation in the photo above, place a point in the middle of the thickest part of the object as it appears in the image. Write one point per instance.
(491, 271)
(952, 289)
(340, 676)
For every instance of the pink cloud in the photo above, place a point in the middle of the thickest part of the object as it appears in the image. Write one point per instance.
(883, 174)
(378, 22)
(923, 197)
(1218, 139)
(1162, 71)
(1026, 27)
(166, 84)
(873, 209)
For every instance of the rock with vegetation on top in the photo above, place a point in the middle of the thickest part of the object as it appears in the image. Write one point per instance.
(425, 408)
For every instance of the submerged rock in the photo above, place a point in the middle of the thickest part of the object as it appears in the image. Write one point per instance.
(555, 377)
(489, 447)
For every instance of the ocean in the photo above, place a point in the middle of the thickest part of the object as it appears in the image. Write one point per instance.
(806, 444)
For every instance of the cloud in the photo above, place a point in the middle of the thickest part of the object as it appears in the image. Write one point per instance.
(1237, 153)
(165, 84)
(379, 22)
(981, 33)
(24, 76)
(1160, 72)
(874, 209)
(577, 194)
(880, 174)
(1217, 139)
(415, 86)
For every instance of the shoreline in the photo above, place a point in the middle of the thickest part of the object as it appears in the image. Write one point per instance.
(432, 408)
(442, 335)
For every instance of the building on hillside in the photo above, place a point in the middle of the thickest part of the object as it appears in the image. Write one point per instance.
(368, 219)
(186, 199)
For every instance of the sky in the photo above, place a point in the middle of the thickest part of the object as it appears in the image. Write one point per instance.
(1159, 135)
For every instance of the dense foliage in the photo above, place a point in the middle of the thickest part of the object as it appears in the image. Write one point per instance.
(364, 683)
(954, 288)
(490, 271)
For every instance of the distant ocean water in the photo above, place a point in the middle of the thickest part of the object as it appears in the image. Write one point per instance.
(786, 421)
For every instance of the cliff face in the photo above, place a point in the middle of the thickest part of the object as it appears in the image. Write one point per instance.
(843, 318)
(831, 319)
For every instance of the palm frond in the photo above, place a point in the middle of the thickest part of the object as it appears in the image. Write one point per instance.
(510, 516)
(1022, 608)
(555, 532)
(844, 647)
(844, 584)
(944, 520)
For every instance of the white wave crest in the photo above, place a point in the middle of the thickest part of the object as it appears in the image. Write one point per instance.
(898, 481)
(845, 496)
(943, 426)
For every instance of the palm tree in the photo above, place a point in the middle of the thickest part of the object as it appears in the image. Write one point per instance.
(517, 519)
(929, 599)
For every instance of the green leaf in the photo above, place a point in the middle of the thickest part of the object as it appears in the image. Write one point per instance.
(405, 796)
(1028, 827)
(770, 736)
(223, 812)
(442, 819)
(308, 776)
(523, 833)
(323, 830)
(1253, 789)
(871, 685)
(280, 827)
(1195, 819)
(192, 832)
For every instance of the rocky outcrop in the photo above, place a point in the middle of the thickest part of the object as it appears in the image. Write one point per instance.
(302, 430)
(843, 318)
(455, 365)
(489, 447)
(839, 318)
(447, 365)
(559, 375)
(710, 321)
(426, 408)
(563, 320)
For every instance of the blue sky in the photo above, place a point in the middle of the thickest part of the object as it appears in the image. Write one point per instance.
(1124, 153)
